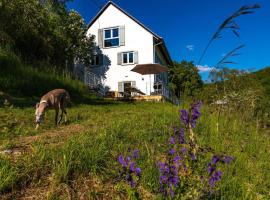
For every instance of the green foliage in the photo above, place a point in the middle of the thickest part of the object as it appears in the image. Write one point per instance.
(184, 79)
(44, 31)
(233, 89)
(23, 81)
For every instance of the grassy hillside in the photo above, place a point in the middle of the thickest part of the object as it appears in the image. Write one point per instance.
(79, 160)
(25, 84)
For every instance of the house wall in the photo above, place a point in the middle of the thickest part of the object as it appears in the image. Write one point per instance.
(159, 58)
(136, 39)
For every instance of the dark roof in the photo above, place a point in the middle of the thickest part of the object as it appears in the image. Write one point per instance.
(157, 37)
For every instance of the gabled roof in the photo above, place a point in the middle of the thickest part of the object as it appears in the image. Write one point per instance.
(157, 37)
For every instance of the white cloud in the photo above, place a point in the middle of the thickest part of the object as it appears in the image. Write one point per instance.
(204, 68)
(190, 47)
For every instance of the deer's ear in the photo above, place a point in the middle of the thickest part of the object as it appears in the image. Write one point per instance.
(37, 105)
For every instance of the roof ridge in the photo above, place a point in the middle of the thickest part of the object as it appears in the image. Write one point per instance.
(110, 2)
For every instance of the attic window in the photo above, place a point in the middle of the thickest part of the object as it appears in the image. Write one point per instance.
(111, 37)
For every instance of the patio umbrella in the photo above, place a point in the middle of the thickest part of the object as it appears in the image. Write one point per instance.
(144, 69)
(151, 68)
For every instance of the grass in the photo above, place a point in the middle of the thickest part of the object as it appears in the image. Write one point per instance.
(26, 84)
(103, 131)
(79, 159)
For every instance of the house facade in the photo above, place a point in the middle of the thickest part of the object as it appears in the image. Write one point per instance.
(122, 43)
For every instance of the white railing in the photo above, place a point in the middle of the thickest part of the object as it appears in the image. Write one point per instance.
(94, 82)
(169, 95)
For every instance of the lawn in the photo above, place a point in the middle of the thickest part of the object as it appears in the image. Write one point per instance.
(78, 160)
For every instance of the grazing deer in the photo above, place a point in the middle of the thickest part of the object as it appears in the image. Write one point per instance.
(55, 99)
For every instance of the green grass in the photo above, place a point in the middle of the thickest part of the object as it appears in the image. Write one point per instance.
(80, 157)
(24, 84)
(109, 130)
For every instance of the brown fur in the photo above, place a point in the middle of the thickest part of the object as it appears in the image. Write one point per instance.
(55, 99)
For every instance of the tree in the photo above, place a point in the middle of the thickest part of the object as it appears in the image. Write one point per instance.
(44, 31)
(184, 78)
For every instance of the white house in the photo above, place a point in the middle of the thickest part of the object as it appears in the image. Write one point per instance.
(122, 43)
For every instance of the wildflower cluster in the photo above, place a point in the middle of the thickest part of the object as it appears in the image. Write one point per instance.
(215, 174)
(189, 118)
(130, 172)
(175, 162)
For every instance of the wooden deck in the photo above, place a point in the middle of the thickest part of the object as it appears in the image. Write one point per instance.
(149, 98)
(120, 96)
(139, 98)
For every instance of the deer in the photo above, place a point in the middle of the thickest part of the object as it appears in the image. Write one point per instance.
(56, 99)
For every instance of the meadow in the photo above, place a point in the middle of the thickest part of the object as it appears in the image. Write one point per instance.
(79, 160)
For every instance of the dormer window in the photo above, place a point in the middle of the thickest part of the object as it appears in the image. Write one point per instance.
(111, 37)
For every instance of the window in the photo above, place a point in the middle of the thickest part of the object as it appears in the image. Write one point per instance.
(128, 57)
(111, 37)
(95, 60)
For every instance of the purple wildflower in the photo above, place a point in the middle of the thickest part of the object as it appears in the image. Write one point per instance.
(122, 161)
(138, 171)
(135, 153)
(169, 175)
(128, 159)
(211, 168)
(227, 159)
(215, 159)
(132, 166)
(214, 178)
(182, 136)
(171, 151)
(176, 159)
(195, 113)
(183, 150)
(184, 117)
(192, 156)
(214, 173)
(171, 140)
(129, 172)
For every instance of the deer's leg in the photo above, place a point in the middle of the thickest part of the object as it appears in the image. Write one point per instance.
(56, 116)
(65, 112)
(61, 116)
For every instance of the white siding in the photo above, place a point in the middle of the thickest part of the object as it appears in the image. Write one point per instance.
(136, 39)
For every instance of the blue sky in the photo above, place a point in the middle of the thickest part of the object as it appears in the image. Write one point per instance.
(187, 25)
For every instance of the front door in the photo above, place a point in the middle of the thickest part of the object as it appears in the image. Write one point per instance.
(127, 86)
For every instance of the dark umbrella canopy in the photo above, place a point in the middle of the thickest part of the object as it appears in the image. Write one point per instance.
(144, 69)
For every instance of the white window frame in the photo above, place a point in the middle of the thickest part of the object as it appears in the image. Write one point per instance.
(111, 30)
(128, 63)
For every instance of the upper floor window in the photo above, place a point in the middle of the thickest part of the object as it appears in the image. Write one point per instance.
(111, 37)
(128, 57)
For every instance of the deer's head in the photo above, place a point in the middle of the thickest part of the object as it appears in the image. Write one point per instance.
(40, 111)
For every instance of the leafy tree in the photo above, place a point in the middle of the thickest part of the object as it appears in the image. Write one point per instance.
(184, 78)
(44, 31)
